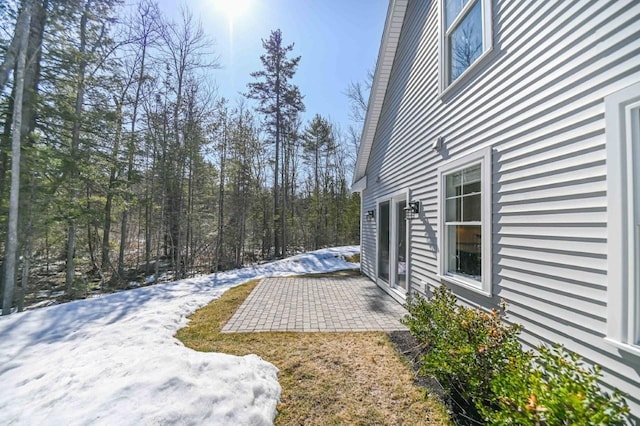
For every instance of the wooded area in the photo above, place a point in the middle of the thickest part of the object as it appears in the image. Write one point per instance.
(119, 164)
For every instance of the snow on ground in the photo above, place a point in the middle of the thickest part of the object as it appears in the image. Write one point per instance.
(114, 360)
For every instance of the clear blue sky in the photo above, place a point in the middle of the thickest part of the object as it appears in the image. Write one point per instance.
(337, 39)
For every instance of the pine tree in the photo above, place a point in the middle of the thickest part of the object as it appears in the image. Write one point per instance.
(318, 145)
(278, 99)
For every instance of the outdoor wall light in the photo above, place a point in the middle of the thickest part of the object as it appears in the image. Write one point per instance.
(412, 210)
(438, 144)
(371, 215)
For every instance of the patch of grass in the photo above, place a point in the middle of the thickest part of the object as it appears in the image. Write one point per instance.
(326, 378)
(355, 258)
(343, 273)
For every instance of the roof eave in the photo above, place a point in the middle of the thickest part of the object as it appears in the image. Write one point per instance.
(359, 185)
(384, 64)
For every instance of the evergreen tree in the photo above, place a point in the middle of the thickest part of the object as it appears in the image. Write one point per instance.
(319, 145)
(279, 100)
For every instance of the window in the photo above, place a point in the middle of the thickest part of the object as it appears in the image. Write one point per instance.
(465, 224)
(622, 118)
(467, 36)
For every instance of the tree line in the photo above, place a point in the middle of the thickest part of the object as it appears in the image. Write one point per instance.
(119, 163)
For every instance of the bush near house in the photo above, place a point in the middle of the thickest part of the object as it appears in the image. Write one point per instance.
(463, 347)
(477, 357)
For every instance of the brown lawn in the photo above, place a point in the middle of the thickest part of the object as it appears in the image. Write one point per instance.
(326, 378)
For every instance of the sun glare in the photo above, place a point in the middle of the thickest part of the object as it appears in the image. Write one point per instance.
(233, 8)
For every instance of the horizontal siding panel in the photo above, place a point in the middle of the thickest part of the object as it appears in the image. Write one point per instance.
(582, 211)
(546, 283)
(580, 317)
(584, 208)
(580, 246)
(550, 269)
(553, 233)
(578, 166)
(571, 260)
(540, 40)
(589, 145)
(534, 319)
(579, 188)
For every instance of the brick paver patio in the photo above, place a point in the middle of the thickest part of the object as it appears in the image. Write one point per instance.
(317, 304)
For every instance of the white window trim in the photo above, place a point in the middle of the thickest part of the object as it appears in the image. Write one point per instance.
(623, 239)
(482, 157)
(487, 45)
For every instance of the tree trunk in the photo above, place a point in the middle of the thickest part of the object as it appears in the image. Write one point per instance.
(12, 53)
(12, 232)
(223, 155)
(131, 153)
(163, 194)
(189, 248)
(316, 193)
(5, 145)
(26, 254)
(285, 191)
(75, 144)
(123, 244)
(106, 234)
(276, 189)
(29, 103)
(32, 71)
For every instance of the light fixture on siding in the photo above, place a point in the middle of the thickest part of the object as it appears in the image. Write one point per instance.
(412, 210)
(438, 144)
(371, 215)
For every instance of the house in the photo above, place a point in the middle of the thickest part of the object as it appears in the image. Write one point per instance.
(500, 156)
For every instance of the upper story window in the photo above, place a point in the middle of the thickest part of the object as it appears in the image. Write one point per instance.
(622, 119)
(467, 36)
(465, 224)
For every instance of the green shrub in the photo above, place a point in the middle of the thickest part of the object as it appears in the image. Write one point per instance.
(475, 355)
(553, 388)
(464, 346)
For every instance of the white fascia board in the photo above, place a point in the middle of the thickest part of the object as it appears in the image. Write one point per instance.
(386, 56)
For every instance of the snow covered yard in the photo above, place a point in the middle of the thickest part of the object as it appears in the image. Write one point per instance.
(114, 359)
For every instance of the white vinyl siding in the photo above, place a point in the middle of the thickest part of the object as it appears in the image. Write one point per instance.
(538, 103)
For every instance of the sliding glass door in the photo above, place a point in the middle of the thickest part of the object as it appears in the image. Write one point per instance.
(400, 258)
(392, 244)
(384, 246)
